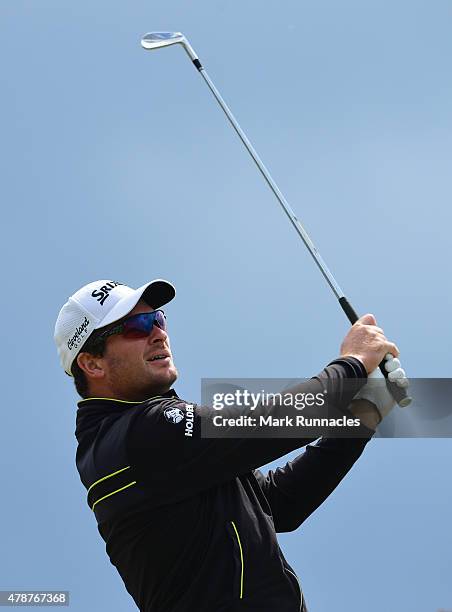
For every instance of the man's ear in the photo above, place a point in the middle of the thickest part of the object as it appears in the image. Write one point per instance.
(91, 365)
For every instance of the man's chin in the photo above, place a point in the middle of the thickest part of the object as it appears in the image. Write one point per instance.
(163, 381)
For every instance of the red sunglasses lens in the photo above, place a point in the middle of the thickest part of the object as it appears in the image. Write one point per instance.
(140, 326)
(133, 333)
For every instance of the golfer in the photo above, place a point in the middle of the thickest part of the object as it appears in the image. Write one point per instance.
(190, 522)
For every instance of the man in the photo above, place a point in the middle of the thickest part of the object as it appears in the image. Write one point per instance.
(190, 522)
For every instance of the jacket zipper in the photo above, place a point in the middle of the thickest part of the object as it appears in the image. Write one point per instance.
(299, 587)
(241, 558)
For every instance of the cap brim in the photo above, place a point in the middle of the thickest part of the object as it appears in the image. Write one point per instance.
(156, 293)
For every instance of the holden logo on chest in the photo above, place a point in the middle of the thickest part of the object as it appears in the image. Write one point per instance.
(174, 415)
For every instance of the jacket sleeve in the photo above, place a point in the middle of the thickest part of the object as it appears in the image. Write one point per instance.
(166, 446)
(297, 489)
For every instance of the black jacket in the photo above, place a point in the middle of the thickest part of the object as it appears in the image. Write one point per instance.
(190, 523)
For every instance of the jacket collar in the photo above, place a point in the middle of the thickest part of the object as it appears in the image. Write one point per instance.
(111, 401)
(92, 410)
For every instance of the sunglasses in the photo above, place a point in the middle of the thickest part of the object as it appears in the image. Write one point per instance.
(136, 326)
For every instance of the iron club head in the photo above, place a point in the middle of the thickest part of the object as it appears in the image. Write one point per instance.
(157, 40)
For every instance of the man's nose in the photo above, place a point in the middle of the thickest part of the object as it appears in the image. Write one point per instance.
(157, 334)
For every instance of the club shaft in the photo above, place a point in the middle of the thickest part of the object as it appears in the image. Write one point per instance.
(399, 394)
(274, 187)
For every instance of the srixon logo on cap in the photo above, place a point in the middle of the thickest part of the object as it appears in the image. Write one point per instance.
(103, 292)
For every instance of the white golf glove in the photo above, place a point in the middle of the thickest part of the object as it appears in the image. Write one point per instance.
(376, 390)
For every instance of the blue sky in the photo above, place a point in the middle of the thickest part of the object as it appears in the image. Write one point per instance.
(118, 164)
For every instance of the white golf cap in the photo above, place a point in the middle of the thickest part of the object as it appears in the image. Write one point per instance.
(98, 304)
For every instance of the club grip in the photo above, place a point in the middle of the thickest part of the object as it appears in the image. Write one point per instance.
(398, 393)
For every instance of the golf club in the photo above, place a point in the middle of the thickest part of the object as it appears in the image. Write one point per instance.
(157, 40)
